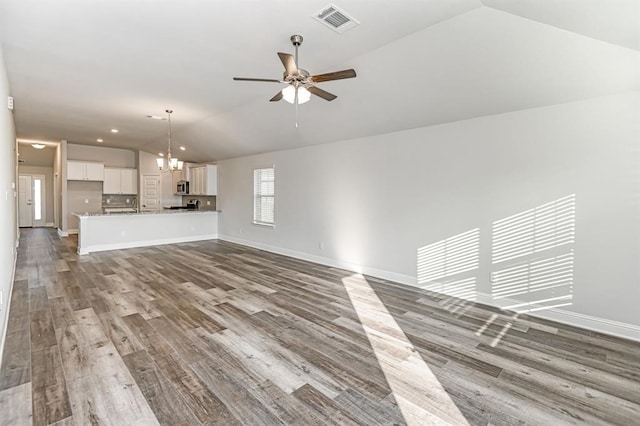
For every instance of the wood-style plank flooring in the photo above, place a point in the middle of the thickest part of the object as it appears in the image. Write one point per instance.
(216, 333)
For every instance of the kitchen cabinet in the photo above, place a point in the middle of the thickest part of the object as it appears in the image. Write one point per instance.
(82, 170)
(204, 180)
(120, 181)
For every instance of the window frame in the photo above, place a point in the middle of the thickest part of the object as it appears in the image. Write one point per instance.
(258, 195)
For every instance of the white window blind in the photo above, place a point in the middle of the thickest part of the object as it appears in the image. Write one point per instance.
(264, 196)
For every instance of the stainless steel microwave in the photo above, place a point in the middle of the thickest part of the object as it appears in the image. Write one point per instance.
(183, 187)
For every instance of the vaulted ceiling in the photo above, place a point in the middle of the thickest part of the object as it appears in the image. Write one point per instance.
(78, 68)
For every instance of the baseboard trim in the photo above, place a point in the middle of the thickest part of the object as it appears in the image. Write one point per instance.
(48, 225)
(62, 233)
(334, 263)
(600, 325)
(7, 302)
(147, 243)
(589, 322)
(72, 232)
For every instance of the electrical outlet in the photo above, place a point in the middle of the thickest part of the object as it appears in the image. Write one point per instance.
(86, 201)
(208, 202)
(321, 245)
(108, 200)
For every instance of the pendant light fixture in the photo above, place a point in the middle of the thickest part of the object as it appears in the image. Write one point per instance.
(172, 164)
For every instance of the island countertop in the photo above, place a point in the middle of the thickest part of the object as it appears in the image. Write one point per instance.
(113, 231)
(166, 211)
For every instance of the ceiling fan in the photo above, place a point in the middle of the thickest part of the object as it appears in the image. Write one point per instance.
(300, 82)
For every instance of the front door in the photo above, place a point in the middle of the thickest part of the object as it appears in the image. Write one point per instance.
(150, 193)
(25, 201)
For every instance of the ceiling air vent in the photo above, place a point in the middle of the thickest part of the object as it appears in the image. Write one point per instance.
(336, 19)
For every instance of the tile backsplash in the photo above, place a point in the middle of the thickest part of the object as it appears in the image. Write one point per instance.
(211, 199)
(115, 200)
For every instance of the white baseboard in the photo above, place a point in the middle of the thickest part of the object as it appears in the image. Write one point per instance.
(589, 322)
(147, 243)
(72, 232)
(602, 325)
(48, 225)
(334, 263)
(62, 233)
(7, 303)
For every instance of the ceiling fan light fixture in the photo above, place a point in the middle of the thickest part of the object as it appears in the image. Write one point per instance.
(289, 94)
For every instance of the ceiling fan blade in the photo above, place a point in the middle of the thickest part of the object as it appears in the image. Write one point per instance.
(277, 97)
(268, 80)
(289, 63)
(337, 75)
(322, 93)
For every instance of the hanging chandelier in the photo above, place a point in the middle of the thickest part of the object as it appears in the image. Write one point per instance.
(172, 164)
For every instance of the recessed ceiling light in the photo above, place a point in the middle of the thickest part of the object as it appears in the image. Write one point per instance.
(182, 148)
(161, 154)
(100, 140)
(114, 130)
(38, 145)
(156, 117)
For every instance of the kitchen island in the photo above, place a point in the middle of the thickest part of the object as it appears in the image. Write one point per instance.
(102, 232)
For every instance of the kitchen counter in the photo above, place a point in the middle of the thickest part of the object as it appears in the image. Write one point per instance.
(113, 231)
(166, 211)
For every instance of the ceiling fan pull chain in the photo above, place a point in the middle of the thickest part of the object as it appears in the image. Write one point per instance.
(296, 107)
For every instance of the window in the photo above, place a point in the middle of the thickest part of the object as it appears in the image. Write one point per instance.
(264, 196)
(37, 198)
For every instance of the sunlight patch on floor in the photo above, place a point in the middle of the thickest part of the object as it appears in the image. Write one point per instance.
(419, 394)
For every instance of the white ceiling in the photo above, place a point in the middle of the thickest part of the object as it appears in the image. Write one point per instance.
(78, 68)
(30, 156)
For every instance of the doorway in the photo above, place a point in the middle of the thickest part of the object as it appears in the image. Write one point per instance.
(31, 201)
(150, 200)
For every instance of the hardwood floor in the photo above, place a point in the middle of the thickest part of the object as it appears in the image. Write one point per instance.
(216, 333)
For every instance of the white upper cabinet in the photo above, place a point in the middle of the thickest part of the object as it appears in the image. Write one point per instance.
(82, 170)
(203, 180)
(129, 181)
(120, 181)
(111, 183)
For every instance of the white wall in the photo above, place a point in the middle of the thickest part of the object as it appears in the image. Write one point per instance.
(8, 225)
(74, 193)
(373, 202)
(82, 197)
(111, 157)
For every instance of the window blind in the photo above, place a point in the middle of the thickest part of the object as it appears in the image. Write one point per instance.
(264, 196)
